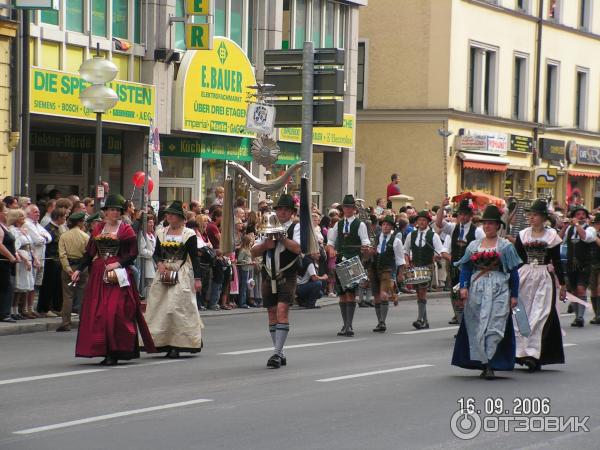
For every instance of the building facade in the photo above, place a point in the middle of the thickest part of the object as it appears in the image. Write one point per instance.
(8, 138)
(501, 96)
(200, 118)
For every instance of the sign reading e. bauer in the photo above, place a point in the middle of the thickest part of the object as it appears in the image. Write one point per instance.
(329, 136)
(212, 88)
(56, 93)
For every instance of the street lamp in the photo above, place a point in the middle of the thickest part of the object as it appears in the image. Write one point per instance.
(99, 99)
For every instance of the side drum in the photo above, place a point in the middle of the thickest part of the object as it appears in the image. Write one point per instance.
(417, 275)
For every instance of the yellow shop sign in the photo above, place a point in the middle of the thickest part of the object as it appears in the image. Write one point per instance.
(329, 136)
(211, 90)
(56, 93)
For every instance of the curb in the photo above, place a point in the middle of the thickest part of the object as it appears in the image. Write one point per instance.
(39, 325)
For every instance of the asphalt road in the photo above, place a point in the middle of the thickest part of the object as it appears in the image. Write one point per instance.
(373, 391)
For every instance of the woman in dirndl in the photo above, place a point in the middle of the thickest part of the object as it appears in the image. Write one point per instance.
(539, 247)
(111, 311)
(171, 312)
(489, 282)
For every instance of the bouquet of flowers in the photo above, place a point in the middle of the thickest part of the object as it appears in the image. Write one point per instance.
(172, 250)
(485, 258)
(107, 244)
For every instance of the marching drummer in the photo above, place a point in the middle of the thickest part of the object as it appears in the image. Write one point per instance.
(388, 261)
(420, 249)
(346, 240)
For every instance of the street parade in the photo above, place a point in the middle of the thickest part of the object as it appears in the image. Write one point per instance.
(299, 224)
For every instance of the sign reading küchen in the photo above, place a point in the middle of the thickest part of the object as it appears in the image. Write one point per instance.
(212, 87)
(57, 94)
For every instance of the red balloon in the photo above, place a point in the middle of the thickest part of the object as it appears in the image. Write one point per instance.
(150, 185)
(138, 179)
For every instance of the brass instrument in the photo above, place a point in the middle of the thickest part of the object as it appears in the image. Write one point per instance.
(519, 218)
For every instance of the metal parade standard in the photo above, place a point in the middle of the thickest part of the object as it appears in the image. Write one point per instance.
(351, 272)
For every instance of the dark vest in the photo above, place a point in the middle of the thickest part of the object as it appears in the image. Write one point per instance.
(595, 255)
(52, 246)
(578, 252)
(387, 259)
(8, 242)
(458, 247)
(422, 256)
(286, 257)
(348, 246)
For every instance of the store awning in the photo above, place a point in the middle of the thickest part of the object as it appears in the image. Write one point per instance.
(483, 162)
(576, 173)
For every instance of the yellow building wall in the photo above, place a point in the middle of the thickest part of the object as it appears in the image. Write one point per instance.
(408, 53)
(412, 150)
(7, 31)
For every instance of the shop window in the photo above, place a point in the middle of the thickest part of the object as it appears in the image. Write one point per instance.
(73, 59)
(176, 167)
(49, 16)
(120, 17)
(237, 10)
(166, 195)
(111, 171)
(99, 17)
(57, 163)
(551, 112)
(329, 24)
(360, 83)
(581, 96)
(477, 180)
(74, 15)
(316, 23)
(585, 15)
(213, 175)
(220, 17)
(286, 34)
(482, 80)
(520, 88)
(300, 25)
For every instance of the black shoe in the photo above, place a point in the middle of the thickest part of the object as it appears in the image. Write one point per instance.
(64, 328)
(342, 332)
(595, 321)
(488, 373)
(363, 304)
(8, 319)
(417, 324)
(453, 321)
(370, 304)
(380, 328)
(274, 362)
(425, 325)
(283, 360)
(577, 323)
(172, 353)
(530, 363)
(109, 361)
(349, 332)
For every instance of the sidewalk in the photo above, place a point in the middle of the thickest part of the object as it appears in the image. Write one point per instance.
(51, 324)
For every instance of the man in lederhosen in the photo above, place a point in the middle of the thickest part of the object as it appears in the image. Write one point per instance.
(595, 272)
(579, 237)
(385, 265)
(420, 249)
(279, 276)
(344, 241)
(461, 233)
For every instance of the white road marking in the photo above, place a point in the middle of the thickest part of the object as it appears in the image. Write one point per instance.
(51, 375)
(567, 314)
(83, 372)
(375, 372)
(429, 330)
(270, 349)
(111, 416)
(569, 345)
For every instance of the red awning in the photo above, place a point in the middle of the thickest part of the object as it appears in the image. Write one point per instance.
(484, 166)
(575, 173)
